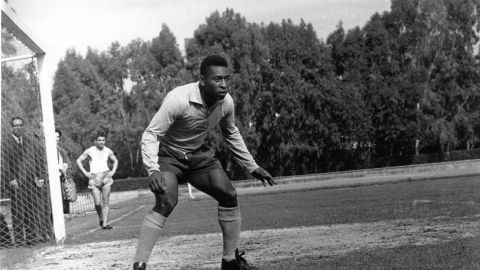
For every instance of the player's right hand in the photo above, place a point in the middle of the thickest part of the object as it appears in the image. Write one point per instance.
(157, 182)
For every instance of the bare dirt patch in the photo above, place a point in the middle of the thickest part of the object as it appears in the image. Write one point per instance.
(203, 251)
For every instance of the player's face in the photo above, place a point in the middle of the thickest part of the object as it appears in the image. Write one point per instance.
(100, 142)
(17, 127)
(215, 83)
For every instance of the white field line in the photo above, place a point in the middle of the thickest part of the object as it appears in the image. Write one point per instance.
(203, 251)
(117, 219)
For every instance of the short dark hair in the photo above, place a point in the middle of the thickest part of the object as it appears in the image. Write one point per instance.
(16, 118)
(212, 60)
(100, 134)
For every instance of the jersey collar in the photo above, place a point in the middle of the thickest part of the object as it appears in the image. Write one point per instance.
(196, 96)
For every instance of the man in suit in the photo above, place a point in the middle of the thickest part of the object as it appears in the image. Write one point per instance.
(22, 170)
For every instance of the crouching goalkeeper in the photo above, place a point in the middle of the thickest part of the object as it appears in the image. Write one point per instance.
(174, 149)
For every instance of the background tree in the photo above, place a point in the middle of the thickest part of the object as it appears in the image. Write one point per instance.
(91, 94)
(405, 83)
(408, 63)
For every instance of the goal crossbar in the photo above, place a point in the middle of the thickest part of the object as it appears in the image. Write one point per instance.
(10, 20)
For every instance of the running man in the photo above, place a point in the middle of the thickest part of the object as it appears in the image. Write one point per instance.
(174, 149)
(100, 176)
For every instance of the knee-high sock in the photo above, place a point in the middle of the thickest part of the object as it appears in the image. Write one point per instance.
(151, 227)
(230, 222)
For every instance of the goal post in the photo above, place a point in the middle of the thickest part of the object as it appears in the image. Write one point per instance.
(22, 58)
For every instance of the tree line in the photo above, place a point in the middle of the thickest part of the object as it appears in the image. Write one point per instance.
(407, 82)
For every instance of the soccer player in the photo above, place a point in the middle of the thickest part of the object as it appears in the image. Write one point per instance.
(99, 176)
(174, 149)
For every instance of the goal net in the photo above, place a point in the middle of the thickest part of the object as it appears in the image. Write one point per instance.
(26, 212)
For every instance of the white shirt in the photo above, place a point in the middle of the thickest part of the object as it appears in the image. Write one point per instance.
(19, 140)
(60, 159)
(98, 159)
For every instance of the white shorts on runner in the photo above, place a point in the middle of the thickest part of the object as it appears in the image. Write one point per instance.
(100, 180)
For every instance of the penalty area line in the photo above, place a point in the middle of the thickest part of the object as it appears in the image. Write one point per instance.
(117, 219)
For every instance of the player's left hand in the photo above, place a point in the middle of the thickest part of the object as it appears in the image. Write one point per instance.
(263, 176)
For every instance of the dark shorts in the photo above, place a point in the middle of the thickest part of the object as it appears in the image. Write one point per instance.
(190, 165)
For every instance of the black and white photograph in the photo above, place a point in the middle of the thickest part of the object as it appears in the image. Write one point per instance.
(240, 135)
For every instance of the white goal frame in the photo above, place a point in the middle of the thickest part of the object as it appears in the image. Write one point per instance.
(11, 21)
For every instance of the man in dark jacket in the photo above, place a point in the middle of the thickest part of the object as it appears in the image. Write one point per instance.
(65, 166)
(22, 171)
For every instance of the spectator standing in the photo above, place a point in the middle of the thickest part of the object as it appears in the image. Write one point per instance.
(100, 176)
(64, 165)
(22, 172)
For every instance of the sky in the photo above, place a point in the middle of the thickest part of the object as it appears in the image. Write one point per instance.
(65, 24)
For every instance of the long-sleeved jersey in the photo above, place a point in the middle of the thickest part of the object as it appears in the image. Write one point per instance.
(182, 123)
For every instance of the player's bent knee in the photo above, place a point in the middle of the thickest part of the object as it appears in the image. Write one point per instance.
(230, 200)
(165, 206)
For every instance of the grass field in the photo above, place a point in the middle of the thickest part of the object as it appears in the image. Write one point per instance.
(430, 224)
